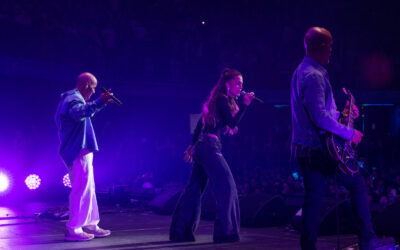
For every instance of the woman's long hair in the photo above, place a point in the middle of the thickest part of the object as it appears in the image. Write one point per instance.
(210, 106)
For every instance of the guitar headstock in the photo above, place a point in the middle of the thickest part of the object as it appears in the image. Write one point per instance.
(351, 101)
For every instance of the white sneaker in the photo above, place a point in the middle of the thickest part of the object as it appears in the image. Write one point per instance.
(78, 236)
(98, 232)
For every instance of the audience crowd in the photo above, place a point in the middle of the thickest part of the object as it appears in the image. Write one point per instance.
(260, 166)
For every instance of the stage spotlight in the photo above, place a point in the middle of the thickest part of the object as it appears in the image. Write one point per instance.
(32, 181)
(67, 181)
(3, 182)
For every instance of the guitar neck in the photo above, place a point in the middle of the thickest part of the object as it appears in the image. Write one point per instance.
(350, 122)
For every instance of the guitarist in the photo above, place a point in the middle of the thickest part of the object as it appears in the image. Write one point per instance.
(314, 110)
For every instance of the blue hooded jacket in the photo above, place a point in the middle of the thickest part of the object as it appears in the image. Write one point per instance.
(75, 129)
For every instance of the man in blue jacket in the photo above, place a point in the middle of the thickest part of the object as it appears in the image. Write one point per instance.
(77, 144)
(314, 111)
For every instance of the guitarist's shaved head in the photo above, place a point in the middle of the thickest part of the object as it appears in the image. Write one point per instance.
(318, 42)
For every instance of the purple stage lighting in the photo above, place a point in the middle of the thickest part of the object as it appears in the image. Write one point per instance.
(67, 181)
(32, 181)
(3, 182)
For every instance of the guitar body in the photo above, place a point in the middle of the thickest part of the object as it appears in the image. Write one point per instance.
(340, 150)
(342, 153)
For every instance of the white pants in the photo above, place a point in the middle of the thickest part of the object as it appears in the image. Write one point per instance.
(82, 199)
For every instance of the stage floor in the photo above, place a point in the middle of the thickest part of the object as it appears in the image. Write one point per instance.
(137, 229)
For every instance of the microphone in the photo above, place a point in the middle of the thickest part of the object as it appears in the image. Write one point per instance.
(115, 99)
(255, 98)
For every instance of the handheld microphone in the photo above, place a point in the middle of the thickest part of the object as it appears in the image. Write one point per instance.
(255, 98)
(115, 99)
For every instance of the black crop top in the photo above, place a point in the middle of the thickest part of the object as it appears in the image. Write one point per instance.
(223, 117)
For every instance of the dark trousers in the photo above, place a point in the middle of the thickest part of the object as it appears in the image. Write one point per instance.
(209, 164)
(316, 170)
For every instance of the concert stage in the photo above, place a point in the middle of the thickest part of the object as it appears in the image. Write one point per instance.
(134, 228)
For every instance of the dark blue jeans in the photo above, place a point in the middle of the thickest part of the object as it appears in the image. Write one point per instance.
(316, 170)
(209, 164)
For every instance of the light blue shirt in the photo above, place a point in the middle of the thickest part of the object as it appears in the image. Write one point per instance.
(311, 89)
(75, 129)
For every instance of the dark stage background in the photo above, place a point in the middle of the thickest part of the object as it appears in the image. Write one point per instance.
(161, 58)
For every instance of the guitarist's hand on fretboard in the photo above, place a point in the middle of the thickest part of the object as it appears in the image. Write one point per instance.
(357, 137)
(345, 113)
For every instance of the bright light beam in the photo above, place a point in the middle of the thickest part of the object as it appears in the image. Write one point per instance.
(32, 181)
(4, 182)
